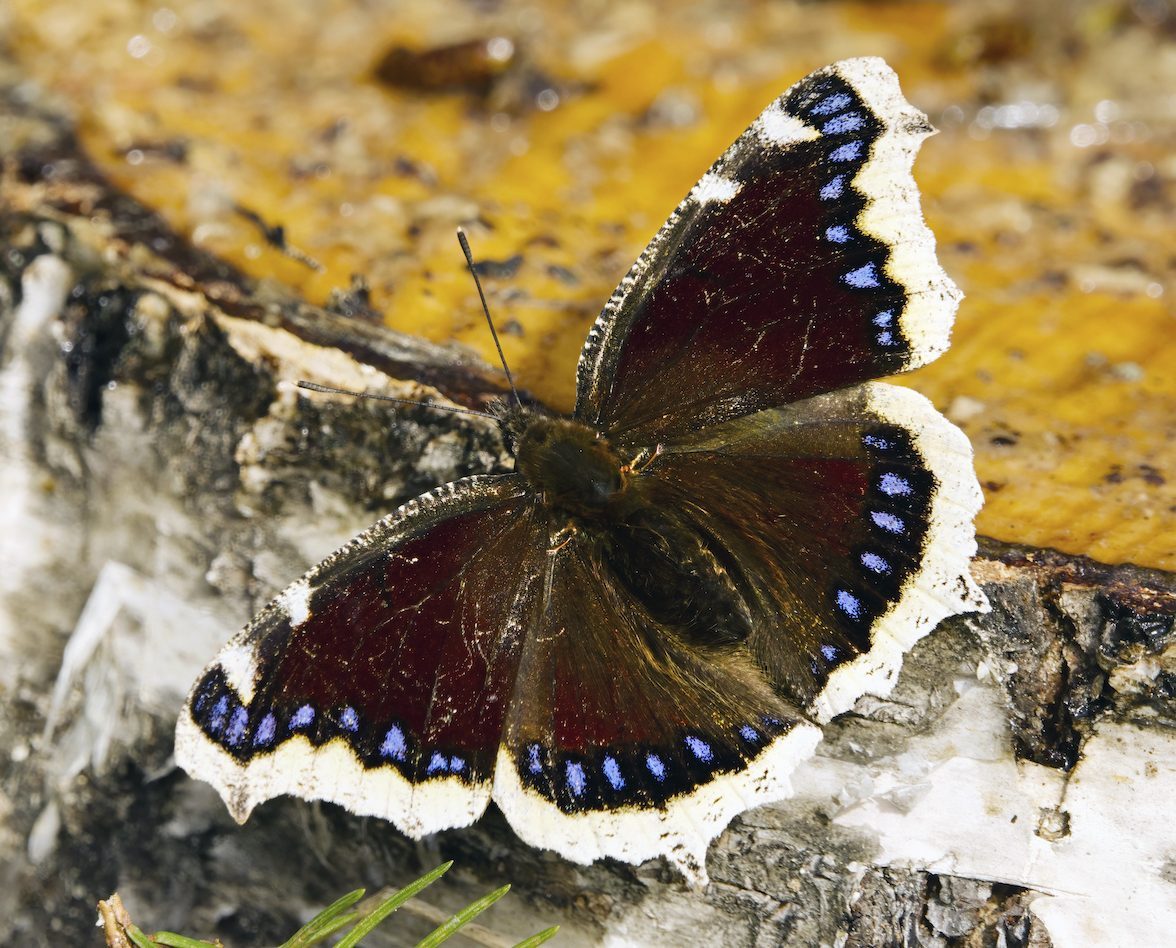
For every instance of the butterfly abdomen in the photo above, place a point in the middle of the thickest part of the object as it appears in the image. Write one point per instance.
(679, 576)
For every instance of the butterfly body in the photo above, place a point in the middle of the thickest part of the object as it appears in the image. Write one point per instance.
(626, 641)
(592, 495)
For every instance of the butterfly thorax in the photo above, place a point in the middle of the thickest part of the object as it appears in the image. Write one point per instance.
(570, 465)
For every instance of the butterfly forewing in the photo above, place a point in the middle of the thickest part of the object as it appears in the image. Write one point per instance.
(799, 264)
(387, 667)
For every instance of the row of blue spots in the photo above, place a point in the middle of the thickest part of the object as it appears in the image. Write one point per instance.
(877, 442)
(830, 653)
(875, 563)
(865, 277)
(440, 764)
(576, 777)
(884, 320)
(349, 720)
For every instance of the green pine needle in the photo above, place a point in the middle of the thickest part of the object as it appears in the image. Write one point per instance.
(447, 928)
(172, 940)
(538, 938)
(390, 905)
(327, 922)
(335, 917)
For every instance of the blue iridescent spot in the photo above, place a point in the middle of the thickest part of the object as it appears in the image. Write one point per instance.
(699, 748)
(887, 521)
(832, 103)
(394, 745)
(875, 563)
(884, 318)
(877, 443)
(848, 603)
(577, 782)
(864, 277)
(850, 151)
(886, 338)
(612, 773)
(202, 699)
(438, 763)
(534, 762)
(349, 720)
(838, 233)
(265, 730)
(216, 720)
(456, 764)
(655, 765)
(892, 485)
(748, 733)
(237, 724)
(850, 122)
(302, 717)
(833, 188)
(830, 652)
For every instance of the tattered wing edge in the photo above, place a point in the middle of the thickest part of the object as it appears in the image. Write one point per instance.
(681, 830)
(893, 212)
(943, 586)
(331, 772)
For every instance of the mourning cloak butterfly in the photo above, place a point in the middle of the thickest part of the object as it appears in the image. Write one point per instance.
(624, 643)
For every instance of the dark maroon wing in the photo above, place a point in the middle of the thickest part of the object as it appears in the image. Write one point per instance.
(380, 680)
(799, 264)
(845, 524)
(625, 740)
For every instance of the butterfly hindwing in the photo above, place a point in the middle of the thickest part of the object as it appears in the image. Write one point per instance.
(799, 264)
(848, 518)
(379, 680)
(623, 740)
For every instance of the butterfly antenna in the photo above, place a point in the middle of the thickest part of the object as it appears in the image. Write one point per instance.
(465, 248)
(330, 390)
